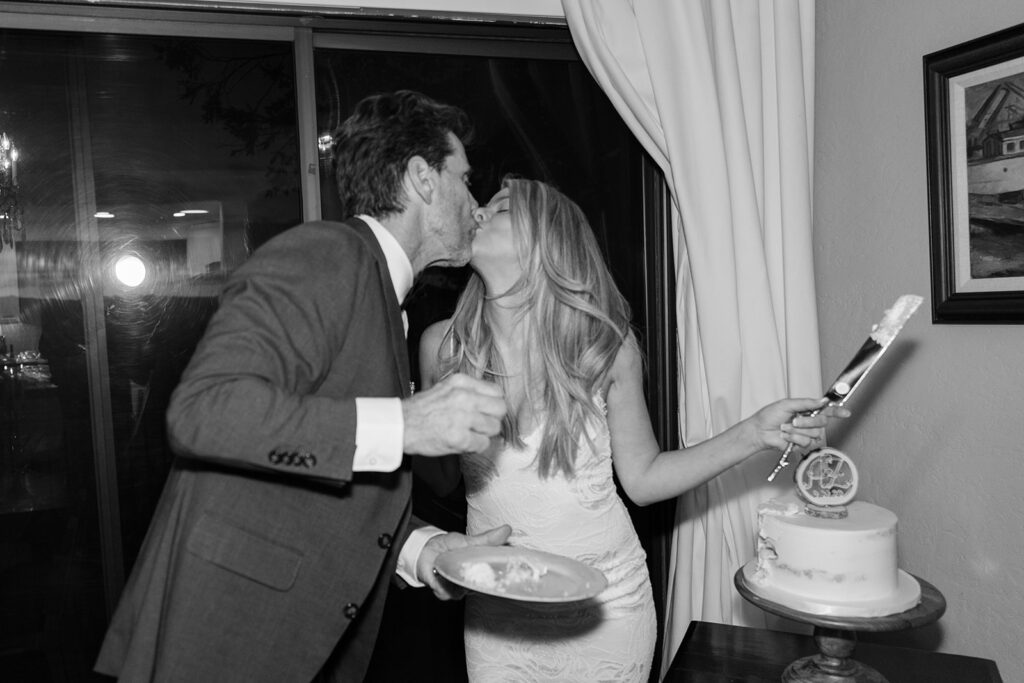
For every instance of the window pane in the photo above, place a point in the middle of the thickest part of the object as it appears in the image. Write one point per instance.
(194, 153)
(148, 168)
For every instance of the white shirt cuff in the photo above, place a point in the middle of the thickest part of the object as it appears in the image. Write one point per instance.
(379, 435)
(410, 554)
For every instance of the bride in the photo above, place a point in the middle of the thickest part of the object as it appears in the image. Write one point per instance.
(542, 317)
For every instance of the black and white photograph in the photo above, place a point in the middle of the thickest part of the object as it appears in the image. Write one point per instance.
(511, 341)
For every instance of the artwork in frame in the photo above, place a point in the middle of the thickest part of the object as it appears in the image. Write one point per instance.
(974, 108)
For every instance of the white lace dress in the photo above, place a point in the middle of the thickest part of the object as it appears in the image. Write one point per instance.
(608, 638)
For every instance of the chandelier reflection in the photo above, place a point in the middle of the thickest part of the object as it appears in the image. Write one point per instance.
(10, 208)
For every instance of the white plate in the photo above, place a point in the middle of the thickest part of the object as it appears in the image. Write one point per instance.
(547, 577)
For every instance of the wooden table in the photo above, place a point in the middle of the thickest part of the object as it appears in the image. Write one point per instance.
(715, 653)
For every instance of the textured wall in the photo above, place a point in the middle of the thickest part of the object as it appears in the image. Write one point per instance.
(938, 431)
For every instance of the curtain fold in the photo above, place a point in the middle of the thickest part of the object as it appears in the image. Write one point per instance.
(720, 93)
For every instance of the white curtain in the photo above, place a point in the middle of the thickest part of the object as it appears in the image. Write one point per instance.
(720, 94)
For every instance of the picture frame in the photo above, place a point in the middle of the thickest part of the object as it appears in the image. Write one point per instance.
(974, 129)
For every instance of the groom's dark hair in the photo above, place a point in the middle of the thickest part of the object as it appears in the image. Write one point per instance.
(372, 147)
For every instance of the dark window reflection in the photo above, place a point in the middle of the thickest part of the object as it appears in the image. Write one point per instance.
(149, 166)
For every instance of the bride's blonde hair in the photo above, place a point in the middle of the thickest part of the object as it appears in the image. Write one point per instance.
(574, 316)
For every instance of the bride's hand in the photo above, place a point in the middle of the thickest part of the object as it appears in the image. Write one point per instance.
(784, 422)
(425, 571)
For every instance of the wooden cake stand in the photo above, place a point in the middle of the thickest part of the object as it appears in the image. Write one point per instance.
(836, 636)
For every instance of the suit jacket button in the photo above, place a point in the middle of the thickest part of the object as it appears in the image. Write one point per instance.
(351, 610)
(384, 541)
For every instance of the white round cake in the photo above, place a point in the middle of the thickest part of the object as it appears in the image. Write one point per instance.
(826, 565)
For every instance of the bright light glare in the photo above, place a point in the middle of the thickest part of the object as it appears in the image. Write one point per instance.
(324, 143)
(130, 270)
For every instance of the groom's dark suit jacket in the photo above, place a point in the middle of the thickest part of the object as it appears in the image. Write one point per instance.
(266, 550)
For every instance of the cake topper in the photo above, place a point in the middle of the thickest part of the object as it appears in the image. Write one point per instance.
(827, 480)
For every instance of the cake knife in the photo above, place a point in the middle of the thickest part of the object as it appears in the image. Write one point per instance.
(850, 378)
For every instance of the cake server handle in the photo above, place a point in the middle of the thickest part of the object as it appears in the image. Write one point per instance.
(784, 460)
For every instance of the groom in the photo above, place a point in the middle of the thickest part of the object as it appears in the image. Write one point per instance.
(277, 534)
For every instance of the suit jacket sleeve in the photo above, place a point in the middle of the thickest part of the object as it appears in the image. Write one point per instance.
(250, 392)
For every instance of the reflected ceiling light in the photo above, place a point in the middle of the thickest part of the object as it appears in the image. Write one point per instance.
(103, 214)
(10, 207)
(130, 270)
(189, 212)
(324, 143)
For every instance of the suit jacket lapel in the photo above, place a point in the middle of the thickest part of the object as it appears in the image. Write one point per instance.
(400, 349)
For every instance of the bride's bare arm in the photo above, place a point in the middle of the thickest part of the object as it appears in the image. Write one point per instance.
(441, 474)
(649, 475)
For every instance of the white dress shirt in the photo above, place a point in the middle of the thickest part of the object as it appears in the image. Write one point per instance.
(379, 426)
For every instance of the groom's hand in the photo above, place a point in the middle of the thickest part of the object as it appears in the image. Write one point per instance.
(446, 590)
(457, 415)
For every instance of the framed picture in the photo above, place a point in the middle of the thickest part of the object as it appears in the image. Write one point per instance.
(974, 107)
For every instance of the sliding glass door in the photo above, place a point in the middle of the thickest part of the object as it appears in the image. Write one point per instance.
(146, 167)
(155, 150)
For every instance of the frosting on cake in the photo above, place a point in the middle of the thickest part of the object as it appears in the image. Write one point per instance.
(517, 571)
(894, 319)
(831, 565)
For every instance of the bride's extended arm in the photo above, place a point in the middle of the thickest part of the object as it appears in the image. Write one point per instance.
(649, 475)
